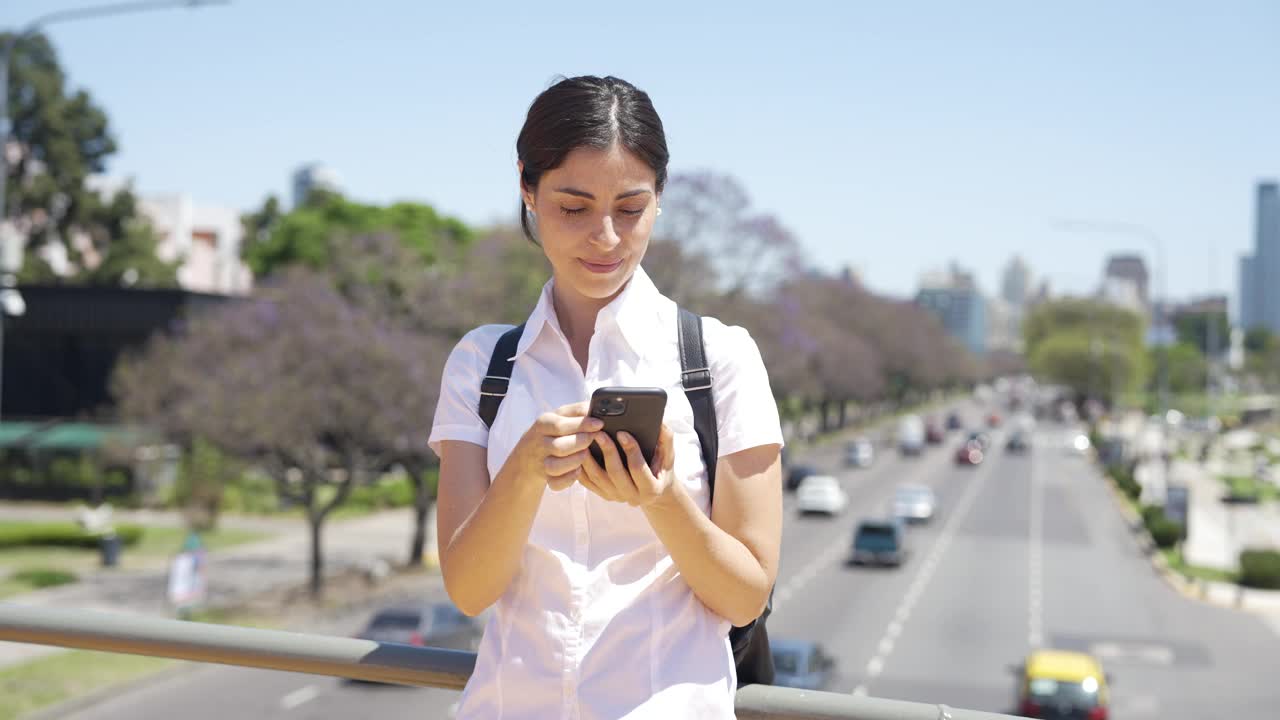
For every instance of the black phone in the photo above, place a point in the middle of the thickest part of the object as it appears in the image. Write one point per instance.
(637, 410)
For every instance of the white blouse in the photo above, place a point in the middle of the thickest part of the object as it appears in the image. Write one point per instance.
(598, 624)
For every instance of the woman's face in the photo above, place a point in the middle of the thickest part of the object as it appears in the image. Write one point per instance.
(594, 214)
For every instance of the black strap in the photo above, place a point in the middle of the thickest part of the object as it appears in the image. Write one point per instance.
(695, 375)
(493, 388)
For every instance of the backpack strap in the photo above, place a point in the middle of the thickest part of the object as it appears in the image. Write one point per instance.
(493, 388)
(695, 375)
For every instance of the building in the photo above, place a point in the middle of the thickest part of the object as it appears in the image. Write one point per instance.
(1122, 292)
(1260, 272)
(1133, 269)
(1004, 326)
(953, 296)
(1015, 284)
(205, 239)
(314, 176)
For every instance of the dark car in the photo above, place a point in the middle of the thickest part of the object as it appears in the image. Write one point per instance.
(1018, 443)
(879, 542)
(982, 439)
(796, 475)
(970, 453)
(801, 664)
(433, 624)
(933, 432)
(954, 422)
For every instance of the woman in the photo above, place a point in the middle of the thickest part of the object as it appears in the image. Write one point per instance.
(613, 590)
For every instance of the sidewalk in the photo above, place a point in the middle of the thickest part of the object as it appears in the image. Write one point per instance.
(235, 574)
(57, 512)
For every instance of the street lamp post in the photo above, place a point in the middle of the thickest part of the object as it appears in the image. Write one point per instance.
(9, 269)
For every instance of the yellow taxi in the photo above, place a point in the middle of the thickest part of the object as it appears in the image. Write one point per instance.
(1062, 685)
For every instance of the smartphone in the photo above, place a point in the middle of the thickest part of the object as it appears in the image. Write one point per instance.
(637, 410)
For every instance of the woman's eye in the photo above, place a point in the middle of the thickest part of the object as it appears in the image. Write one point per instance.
(571, 211)
(632, 213)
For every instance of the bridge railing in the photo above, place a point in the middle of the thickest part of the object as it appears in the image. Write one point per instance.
(379, 662)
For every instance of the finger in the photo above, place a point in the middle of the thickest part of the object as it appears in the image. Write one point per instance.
(623, 485)
(565, 445)
(578, 409)
(564, 481)
(643, 479)
(594, 479)
(664, 455)
(554, 424)
(557, 466)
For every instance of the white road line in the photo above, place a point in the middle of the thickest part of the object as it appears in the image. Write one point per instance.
(921, 581)
(1035, 569)
(299, 696)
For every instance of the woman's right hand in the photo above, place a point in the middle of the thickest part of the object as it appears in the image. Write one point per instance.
(555, 446)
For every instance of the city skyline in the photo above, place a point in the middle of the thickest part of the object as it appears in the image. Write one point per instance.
(880, 136)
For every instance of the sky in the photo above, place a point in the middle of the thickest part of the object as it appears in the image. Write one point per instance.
(891, 137)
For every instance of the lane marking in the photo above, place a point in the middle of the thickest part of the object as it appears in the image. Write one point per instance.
(921, 581)
(299, 696)
(1035, 562)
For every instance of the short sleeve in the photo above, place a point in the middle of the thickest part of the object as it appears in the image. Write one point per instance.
(458, 409)
(746, 412)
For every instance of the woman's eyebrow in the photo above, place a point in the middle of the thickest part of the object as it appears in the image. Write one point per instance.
(584, 194)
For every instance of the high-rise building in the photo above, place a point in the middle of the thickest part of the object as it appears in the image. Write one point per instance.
(1015, 284)
(1260, 272)
(953, 296)
(314, 176)
(1131, 268)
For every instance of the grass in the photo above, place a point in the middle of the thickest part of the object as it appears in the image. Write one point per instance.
(29, 568)
(1245, 485)
(1173, 556)
(59, 677)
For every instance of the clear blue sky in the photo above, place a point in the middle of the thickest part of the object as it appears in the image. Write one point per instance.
(888, 136)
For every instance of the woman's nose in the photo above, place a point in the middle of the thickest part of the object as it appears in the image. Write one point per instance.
(605, 237)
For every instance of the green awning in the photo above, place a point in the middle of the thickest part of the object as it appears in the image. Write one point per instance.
(67, 436)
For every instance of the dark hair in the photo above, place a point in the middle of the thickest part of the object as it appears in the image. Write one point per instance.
(588, 111)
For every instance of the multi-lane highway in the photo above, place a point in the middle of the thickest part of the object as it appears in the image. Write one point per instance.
(1026, 551)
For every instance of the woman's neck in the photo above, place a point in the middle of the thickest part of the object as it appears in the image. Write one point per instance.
(577, 315)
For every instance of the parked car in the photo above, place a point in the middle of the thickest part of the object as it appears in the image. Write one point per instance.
(970, 453)
(914, 503)
(437, 624)
(1061, 685)
(801, 664)
(860, 453)
(821, 494)
(796, 474)
(993, 420)
(911, 435)
(879, 542)
(954, 422)
(1018, 443)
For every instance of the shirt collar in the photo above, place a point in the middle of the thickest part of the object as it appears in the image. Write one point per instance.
(634, 311)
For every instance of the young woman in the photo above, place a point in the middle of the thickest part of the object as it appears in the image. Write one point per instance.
(613, 589)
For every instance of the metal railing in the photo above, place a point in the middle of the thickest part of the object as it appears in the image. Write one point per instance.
(391, 663)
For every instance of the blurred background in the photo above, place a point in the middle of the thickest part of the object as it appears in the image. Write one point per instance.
(1014, 270)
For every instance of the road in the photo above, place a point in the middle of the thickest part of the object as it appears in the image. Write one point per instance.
(1027, 551)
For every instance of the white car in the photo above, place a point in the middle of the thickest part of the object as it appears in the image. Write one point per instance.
(821, 494)
(914, 503)
(860, 453)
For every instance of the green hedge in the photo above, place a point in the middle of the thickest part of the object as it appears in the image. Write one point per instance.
(1260, 569)
(44, 577)
(59, 535)
(1122, 474)
(1165, 532)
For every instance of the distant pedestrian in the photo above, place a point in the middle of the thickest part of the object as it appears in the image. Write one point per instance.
(614, 590)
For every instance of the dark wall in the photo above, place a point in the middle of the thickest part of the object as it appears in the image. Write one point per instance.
(59, 355)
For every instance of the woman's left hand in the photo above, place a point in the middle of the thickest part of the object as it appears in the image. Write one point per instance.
(637, 483)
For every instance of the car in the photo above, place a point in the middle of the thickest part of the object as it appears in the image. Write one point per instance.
(801, 664)
(879, 542)
(970, 453)
(1062, 685)
(860, 453)
(954, 422)
(911, 436)
(914, 503)
(993, 420)
(821, 494)
(797, 473)
(437, 624)
(982, 439)
(933, 432)
(1018, 443)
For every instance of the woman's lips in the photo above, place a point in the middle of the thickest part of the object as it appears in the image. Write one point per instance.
(600, 268)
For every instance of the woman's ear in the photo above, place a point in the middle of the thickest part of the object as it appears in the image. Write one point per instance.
(526, 195)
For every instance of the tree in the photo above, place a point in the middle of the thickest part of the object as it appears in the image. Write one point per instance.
(1187, 367)
(1193, 329)
(62, 137)
(317, 391)
(1258, 340)
(1094, 348)
(128, 245)
(311, 235)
